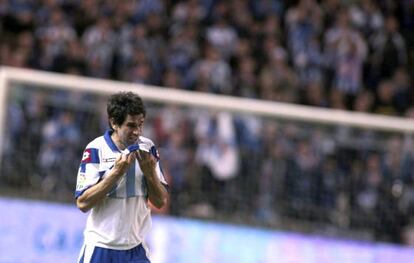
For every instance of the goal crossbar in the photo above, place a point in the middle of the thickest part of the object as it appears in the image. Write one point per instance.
(278, 110)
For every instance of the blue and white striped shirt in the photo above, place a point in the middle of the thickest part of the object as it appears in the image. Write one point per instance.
(122, 219)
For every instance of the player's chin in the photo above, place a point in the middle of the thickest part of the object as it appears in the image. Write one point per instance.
(132, 140)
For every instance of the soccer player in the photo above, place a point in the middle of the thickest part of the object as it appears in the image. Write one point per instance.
(118, 175)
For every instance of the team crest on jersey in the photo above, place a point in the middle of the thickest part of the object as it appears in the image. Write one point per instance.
(86, 156)
(90, 156)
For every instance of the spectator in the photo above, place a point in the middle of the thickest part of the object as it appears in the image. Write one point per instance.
(364, 102)
(384, 103)
(388, 50)
(366, 16)
(212, 69)
(273, 169)
(183, 50)
(242, 20)
(276, 76)
(267, 8)
(304, 24)
(368, 197)
(346, 51)
(222, 36)
(246, 80)
(188, 12)
(176, 157)
(315, 95)
(54, 154)
(217, 145)
(301, 187)
(403, 95)
(133, 39)
(99, 40)
(71, 59)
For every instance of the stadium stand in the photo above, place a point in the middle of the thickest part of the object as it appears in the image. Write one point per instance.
(357, 56)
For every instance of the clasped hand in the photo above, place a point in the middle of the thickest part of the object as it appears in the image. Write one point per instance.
(146, 162)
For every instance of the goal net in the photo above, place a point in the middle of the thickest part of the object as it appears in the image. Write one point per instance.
(231, 159)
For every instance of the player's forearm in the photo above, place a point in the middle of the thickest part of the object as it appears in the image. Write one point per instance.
(157, 193)
(96, 193)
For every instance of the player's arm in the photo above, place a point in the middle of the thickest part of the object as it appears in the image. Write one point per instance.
(96, 193)
(157, 193)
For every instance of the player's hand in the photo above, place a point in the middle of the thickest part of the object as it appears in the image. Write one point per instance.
(146, 161)
(123, 162)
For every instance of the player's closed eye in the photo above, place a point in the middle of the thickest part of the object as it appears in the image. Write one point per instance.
(134, 126)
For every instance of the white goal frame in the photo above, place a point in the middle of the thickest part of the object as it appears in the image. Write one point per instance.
(9, 76)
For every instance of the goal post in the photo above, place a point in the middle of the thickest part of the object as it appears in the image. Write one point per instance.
(9, 75)
(297, 129)
(220, 102)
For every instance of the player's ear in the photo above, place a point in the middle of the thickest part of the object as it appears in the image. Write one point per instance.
(113, 125)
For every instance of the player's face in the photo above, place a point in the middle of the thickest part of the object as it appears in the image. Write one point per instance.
(130, 130)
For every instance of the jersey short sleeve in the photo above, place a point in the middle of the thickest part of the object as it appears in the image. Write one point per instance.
(88, 173)
(147, 145)
(160, 175)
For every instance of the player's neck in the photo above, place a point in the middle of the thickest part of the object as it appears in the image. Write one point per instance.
(115, 138)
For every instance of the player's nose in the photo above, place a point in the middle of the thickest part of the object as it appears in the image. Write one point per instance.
(136, 131)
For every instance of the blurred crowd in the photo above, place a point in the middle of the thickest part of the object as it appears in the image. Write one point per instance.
(354, 55)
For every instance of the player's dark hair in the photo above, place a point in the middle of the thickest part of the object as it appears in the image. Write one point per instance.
(122, 104)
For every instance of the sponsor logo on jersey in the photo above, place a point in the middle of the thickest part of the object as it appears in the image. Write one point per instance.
(108, 160)
(90, 156)
(81, 181)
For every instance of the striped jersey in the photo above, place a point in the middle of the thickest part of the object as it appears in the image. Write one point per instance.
(122, 219)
